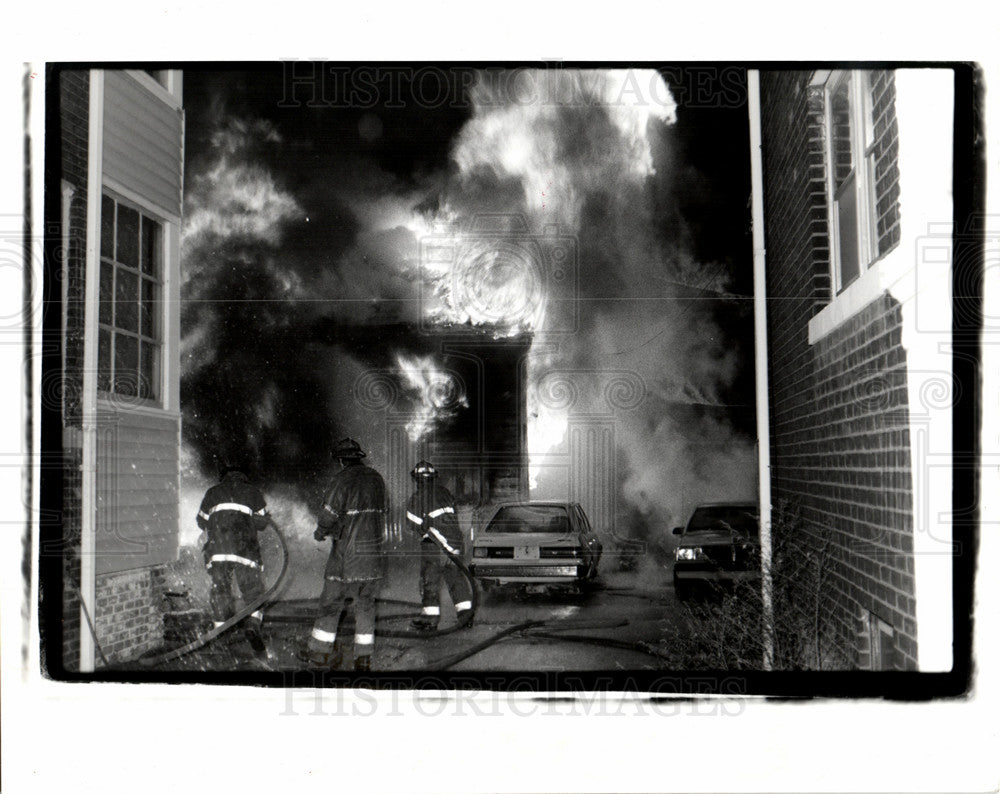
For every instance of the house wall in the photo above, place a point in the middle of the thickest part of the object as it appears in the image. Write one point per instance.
(138, 502)
(129, 618)
(840, 447)
(74, 97)
(143, 141)
(136, 521)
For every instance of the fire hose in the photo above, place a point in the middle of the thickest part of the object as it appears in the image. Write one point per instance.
(464, 618)
(463, 621)
(203, 639)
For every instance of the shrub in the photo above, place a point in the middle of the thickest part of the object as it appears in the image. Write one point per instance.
(726, 628)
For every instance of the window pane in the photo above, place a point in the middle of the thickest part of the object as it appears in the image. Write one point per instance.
(840, 129)
(126, 364)
(104, 360)
(150, 247)
(149, 309)
(149, 381)
(866, 105)
(847, 218)
(107, 227)
(128, 236)
(107, 293)
(127, 301)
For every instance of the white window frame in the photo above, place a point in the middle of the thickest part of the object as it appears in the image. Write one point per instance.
(862, 158)
(162, 400)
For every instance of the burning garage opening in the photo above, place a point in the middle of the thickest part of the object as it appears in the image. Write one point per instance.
(541, 285)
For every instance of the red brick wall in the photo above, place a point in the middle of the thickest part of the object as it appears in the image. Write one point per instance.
(856, 471)
(74, 98)
(839, 438)
(129, 618)
(886, 160)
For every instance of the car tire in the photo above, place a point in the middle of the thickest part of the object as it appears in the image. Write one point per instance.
(682, 590)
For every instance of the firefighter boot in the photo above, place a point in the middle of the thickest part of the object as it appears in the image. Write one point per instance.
(466, 619)
(321, 661)
(257, 643)
(363, 664)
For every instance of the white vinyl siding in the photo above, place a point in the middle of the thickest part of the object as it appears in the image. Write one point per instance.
(143, 143)
(137, 516)
(138, 440)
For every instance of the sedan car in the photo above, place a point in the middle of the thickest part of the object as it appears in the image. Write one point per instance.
(719, 545)
(543, 543)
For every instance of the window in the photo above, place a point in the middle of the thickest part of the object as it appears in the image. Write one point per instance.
(850, 175)
(130, 336)
(530, 518)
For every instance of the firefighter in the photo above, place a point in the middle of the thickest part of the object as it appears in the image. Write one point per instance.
(231, 515)
(353, 515)
(431, 511)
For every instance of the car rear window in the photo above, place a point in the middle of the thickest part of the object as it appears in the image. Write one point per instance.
(742, 518)
(530, 518)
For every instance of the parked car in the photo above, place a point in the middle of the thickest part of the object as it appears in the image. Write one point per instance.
(719, 545)
(545, 543)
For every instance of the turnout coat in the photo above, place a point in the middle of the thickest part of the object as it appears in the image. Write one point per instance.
(431, 511)
(231, 514)
(353, 513)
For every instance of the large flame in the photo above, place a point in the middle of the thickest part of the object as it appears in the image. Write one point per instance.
(483, 280)
(559, 136)
(437, 395)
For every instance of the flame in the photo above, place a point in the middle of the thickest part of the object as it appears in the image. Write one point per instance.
(546, 432)
(438, 395)
(578, 129)
(539, 143)
(483, 281)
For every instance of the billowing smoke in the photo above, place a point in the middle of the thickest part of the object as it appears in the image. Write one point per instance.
(581, 155)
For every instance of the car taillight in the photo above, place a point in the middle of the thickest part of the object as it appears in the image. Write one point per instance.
(479, 551)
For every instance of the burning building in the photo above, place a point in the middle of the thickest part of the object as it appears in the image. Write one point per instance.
(461, 404)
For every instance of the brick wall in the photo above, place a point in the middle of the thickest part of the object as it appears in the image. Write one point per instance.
(839, 438)
(886, 160)
(74, 93)
(857, 467)
(129, 613)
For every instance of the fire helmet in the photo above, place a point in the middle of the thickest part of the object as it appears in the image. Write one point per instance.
(227, 464)
(348, 448)
(423, 471)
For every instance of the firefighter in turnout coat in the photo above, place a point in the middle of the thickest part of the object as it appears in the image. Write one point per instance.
(431, 511)
(231, 515)
(353, 515)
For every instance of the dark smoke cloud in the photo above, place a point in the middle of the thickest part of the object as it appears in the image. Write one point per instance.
(276, 285)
